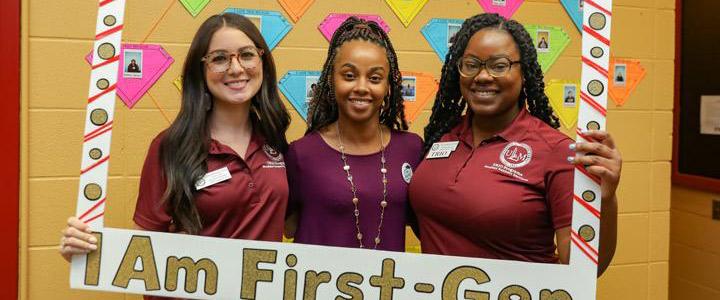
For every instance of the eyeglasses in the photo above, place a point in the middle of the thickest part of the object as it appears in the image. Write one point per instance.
(219, 61)
(496, 67)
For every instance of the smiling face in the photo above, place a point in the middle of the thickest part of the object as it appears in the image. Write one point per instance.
(487, 96)
(237, 85)
(360, 78)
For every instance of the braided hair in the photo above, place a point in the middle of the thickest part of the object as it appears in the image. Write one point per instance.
(323, 105)
(449, 104)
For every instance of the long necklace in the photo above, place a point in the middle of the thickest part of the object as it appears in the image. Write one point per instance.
(353, 188)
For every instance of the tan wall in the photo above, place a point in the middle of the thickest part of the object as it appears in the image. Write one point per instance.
(57, 34)
(694, 246)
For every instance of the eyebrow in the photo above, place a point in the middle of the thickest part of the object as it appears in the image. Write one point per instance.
(492, 56)
(238, 49)
(372, 69)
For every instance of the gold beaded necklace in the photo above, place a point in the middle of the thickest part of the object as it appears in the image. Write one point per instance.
(355, 199)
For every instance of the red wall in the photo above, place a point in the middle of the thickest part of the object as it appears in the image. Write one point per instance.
(10, 149)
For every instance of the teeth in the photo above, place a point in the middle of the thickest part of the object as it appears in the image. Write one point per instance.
(235, 83)
(486, 93)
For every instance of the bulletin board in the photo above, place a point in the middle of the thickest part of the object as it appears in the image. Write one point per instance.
(696, 145)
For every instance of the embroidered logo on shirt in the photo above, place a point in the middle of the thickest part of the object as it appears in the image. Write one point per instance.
(516, 155)
(271, 153)
(275, 157)
(407, 172)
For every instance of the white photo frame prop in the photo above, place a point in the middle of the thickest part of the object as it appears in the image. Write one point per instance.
(132, 261)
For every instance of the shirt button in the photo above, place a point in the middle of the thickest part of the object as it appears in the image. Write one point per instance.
(251, 185)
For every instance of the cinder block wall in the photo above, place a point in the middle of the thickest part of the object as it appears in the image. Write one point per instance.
(694, 248)
(58, 34)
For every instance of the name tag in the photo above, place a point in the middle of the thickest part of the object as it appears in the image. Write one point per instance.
(213, 177)
(442, 150)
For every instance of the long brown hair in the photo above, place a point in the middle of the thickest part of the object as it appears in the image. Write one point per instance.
(184, 148)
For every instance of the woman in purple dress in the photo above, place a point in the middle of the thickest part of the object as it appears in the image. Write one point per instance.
(349, 174)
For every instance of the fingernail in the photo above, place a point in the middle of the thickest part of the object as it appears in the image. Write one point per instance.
(93, 247)
(571, 159)
(572, 146)
(92, 239)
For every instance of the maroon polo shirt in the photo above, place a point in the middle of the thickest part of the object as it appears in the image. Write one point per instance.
(503, 199)
(250, 205)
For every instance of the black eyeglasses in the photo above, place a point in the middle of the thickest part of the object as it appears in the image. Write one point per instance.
(219, 61)
(497, 67)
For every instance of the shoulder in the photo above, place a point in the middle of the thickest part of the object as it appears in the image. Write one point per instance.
(407, 145)
(309, 141)
(306, 144)
(461, 124)
(157, 142)
(552, 145)
(407, 138)
(553, 138)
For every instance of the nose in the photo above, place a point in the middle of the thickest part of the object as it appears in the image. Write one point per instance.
(483, 75)
(235, 66)
(361, 86)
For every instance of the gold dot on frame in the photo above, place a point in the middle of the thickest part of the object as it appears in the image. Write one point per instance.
(588, 196)
(98, 116)
(593, 125)
(587, 233)
(597, 52)
(92, 191)
(102, 83)
(514, 290)
(95, 153)
(595, 87)
(106, 51)
(109, 20)
(291, 260)
(597, 21)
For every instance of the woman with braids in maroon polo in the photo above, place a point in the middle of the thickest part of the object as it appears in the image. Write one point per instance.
(348, 175)
(497, 182)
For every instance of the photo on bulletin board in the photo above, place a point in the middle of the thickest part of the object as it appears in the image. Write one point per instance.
(620, 75)
(408, 88)
(310, 86)
(543, 41)
(452, 29)
(132, 63)
(570, 92)
(499, 2)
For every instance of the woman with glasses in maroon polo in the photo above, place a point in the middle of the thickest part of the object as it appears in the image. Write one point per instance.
(497, 182)
(218, 170)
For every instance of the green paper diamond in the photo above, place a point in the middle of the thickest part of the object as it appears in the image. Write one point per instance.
(555, 42)
(194, 7)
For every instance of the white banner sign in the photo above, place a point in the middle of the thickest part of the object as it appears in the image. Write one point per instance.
(155, 263)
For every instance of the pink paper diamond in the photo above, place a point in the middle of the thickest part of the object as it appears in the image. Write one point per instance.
(155, 61)
(505, 8)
